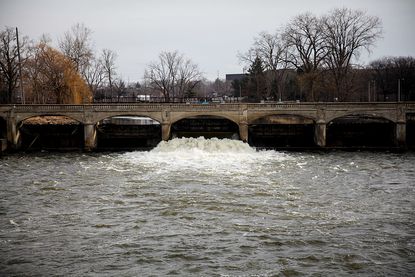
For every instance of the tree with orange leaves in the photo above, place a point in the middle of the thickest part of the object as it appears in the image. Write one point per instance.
(52, 78)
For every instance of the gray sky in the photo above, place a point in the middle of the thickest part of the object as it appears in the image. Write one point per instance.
(210, 32)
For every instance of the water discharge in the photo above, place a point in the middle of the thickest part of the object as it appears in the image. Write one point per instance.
(207, 207)
(185, 155)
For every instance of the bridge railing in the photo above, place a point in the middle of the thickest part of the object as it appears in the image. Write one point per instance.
(50, 108)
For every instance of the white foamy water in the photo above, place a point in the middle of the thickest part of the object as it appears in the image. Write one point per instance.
(226, 156)
(202, 145)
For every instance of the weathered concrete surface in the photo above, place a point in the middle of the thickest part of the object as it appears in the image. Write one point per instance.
(90, 137)
(3, 145)
(320, 134)
(243, 115)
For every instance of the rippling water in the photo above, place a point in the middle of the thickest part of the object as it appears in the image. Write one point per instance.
(196, 207)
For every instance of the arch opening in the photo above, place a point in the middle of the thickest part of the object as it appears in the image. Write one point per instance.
(128, 132)
(361, 131)
(51, 132)
(410, 130)
(206, 126)
(282, 131)
(3, 128)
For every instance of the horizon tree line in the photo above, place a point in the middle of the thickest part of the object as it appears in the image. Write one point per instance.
(316, 58)
(311, 58)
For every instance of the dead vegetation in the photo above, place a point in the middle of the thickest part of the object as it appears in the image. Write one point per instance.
(51, 120)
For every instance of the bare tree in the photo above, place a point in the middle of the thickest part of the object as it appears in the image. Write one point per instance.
(304, 39)
(94, 74)
(172, 75)
(9, 63)
(108, 58)
(161, 74)
(188, 77)
(119, 87)
(271, 50)
(306, 49)
(77, 46)
(346, 33)
(267, 48)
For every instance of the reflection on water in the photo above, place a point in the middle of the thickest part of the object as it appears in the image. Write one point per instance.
(207, 207)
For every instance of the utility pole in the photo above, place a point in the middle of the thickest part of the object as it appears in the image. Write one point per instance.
(368, 92)
(399, 89)
(20, 67)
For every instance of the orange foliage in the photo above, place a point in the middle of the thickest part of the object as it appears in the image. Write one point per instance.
(53, 78)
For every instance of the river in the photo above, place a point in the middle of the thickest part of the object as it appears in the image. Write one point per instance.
(197, 207)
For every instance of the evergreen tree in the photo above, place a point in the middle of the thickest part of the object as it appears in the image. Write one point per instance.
(256, 81)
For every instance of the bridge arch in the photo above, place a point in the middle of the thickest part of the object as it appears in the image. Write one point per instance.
(386, 115)
(410, 130)
(50, 131)
(252, 117)
(205, 125)
(361, 130)
(127, 131)
(101, 117)
(282, 118)
(228, 116)
(54, 116)
(3, 128)
(76, 117)
(280, 130)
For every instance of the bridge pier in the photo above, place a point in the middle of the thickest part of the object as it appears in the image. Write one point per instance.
(243, 132)
(400, 134)
(165, 131)
(13, 134)
(90, 137)
(320, 134)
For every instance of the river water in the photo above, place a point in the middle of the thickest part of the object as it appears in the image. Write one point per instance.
(196, 207)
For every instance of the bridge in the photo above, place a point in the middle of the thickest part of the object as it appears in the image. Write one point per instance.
(320, 115)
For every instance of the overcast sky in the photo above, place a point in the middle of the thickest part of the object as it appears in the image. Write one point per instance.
(210, 32)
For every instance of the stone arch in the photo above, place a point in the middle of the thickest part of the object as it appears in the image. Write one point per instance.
(207, 125)
(255, 119)
(24, 117)
(57, 132)
(410, 130)
(337, 115)
(282, 130)
(176, 118)
(3, 128)
(356, 129)
(139, 114)
(126, 133)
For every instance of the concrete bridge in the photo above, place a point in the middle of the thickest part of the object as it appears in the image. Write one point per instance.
(320, 114)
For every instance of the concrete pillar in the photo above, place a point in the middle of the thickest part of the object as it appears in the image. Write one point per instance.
(401, 134)
(165, 131)
(90, 137)
(3, 145)
(243, 132)
(13, 134)
(320, 134)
